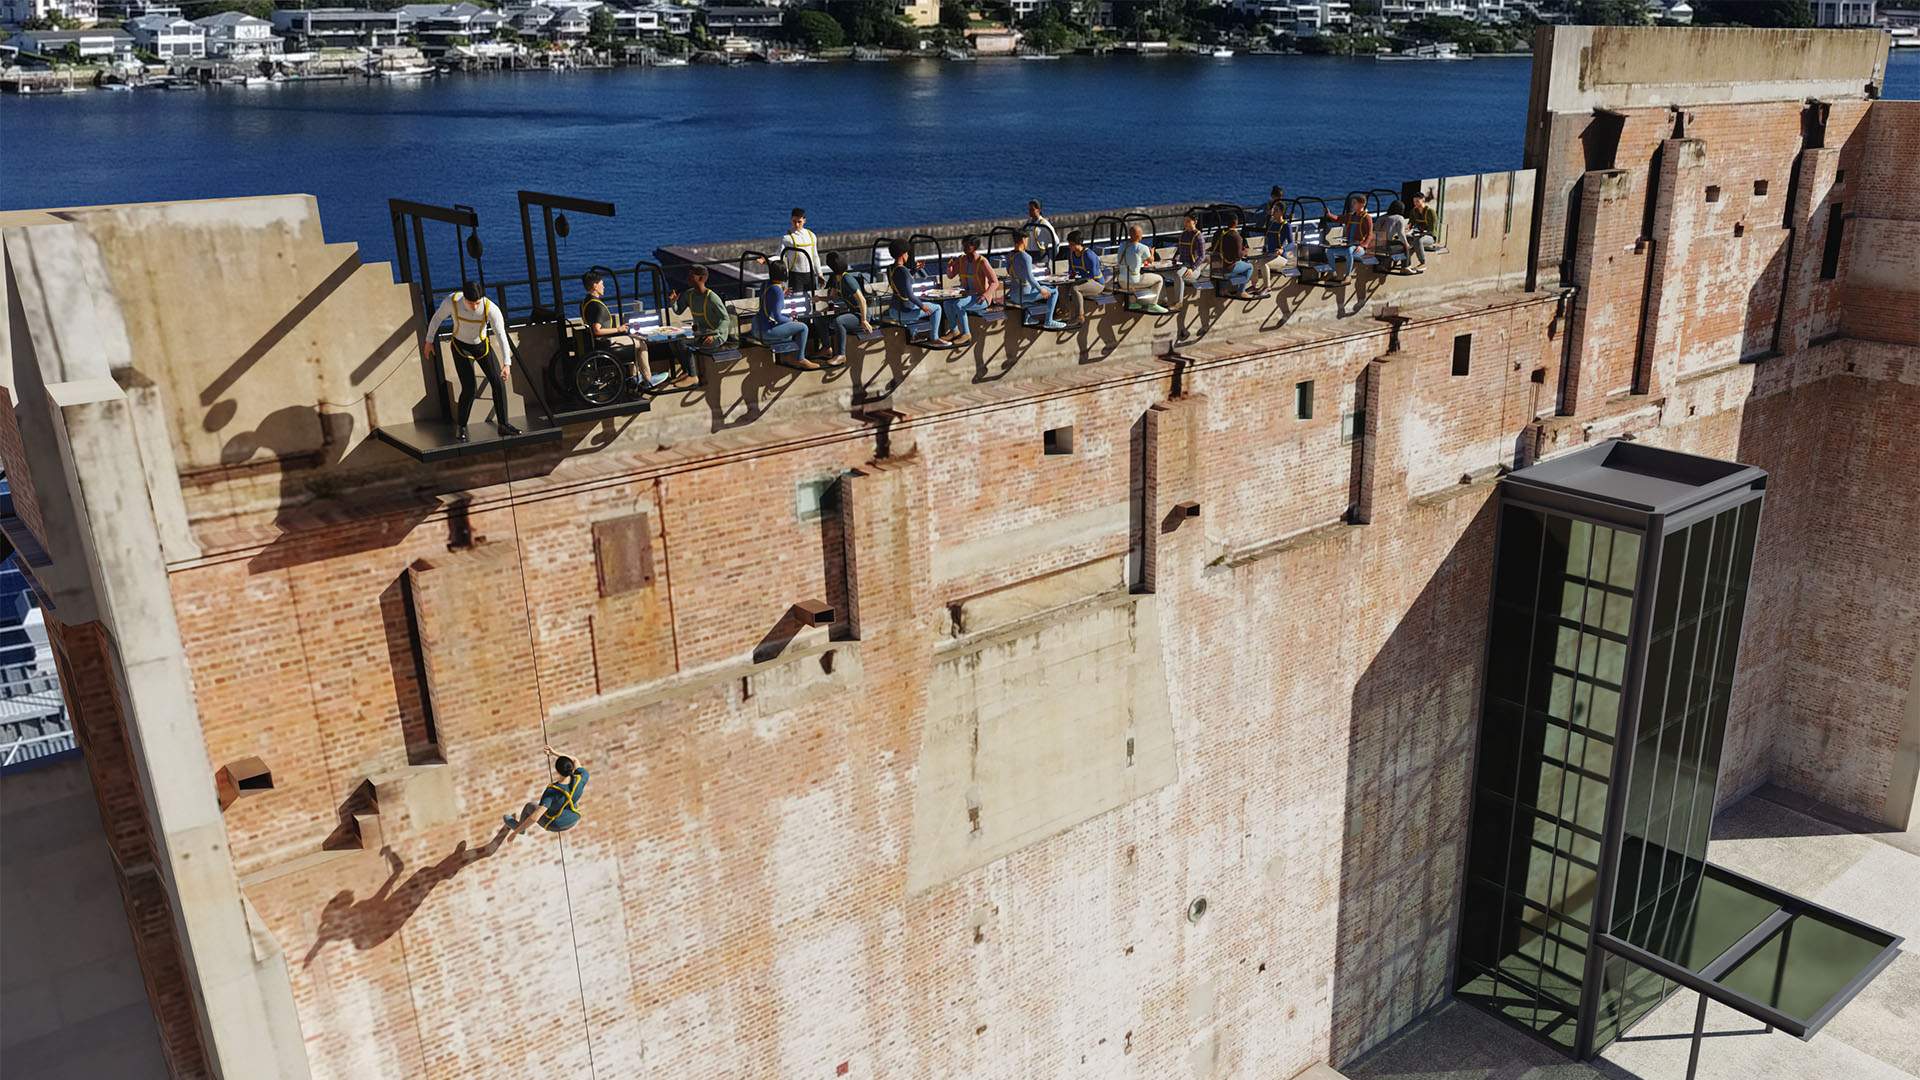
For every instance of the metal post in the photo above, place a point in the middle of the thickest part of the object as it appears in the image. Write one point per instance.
(526, 238)
(553, 261)
(1780, 968)
(1699, 1032)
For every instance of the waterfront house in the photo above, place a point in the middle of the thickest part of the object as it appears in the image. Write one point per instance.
(1843, 14)
(168, 38)
(919, 13)
(653, 20)
(91, 45)
(531, 20)
(17, 12)
(236, 35)
(338, 28)
(569, 27)
(440, 26)
(1312, 19)
(744, 22)
(122, 10)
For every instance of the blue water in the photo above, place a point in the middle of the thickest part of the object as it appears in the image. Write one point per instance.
(701, 154)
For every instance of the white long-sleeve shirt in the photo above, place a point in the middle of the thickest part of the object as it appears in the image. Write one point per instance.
(472, 327)
(802, 240)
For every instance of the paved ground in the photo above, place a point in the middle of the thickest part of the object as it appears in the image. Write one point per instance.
(1874, 877)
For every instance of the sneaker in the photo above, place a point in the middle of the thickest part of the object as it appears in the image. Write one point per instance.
(1155, 309)
(1053, 324)
(657, 379)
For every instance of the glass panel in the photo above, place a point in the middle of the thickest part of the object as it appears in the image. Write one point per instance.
(1801, 968)
(1559, 622)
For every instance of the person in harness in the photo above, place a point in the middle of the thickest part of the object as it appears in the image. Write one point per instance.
(559, 807)
(479, 338)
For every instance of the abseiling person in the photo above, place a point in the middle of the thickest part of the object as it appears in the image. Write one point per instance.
(558, 808)
(479, 338)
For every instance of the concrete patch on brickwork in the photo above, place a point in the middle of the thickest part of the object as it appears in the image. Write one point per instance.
(1036, 726)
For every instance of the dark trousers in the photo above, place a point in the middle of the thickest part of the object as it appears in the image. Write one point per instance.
(465, 357)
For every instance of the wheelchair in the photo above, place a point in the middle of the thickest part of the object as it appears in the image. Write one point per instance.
(591, 373)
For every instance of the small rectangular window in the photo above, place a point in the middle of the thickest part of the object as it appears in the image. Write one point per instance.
(623, 554)
(1759, 187)
(1462, 353)
(1303, 400)
(811, 498)
(1713, 192)
(1058, 440)
(1830, 258)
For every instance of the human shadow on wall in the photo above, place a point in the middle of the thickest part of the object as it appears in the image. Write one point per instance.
(371, 922)
(1410, 748)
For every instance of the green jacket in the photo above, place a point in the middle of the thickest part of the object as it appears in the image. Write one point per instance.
(710, 316)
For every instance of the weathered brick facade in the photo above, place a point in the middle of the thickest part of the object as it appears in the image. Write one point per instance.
(914, 841)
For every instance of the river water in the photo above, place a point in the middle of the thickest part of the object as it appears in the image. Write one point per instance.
(702, 154)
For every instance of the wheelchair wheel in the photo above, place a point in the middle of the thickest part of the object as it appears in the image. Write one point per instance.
(597, 380)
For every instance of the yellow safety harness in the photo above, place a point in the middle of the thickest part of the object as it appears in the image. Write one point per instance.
(566, 795)
(485, 323)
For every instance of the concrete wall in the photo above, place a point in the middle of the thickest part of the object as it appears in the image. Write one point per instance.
(76, 1007)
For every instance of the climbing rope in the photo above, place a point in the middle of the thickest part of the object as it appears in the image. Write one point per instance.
(533, 650)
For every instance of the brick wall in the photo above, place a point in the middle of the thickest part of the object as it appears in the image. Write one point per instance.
(737, 901)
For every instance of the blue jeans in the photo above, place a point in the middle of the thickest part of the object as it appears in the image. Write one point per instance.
(1238, 276)
(1352, 252)
(1050, 297)
(958, 310)
(786, 331)
(843, 324)
(917, 310)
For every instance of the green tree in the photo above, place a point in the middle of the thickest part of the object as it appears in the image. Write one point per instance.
(1763, 13)
(600, 27)
(1610, 12)
(200, 9)
(71, 54)
(816, 30)
(953, 16)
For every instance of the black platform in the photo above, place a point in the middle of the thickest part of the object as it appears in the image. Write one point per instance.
(432, 440)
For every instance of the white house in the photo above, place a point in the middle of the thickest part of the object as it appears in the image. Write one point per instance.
(168, 38)
(570, 25)
(15, 12)
(235, 35)
(338, 28)
(1843, 13)
(440, 26)
(91, 44)
(1312, 19)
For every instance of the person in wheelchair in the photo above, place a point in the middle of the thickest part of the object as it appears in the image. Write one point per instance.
(611, 337)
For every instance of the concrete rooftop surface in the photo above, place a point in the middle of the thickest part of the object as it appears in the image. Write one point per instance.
(1781, 839)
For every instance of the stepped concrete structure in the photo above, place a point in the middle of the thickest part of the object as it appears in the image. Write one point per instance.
(1098, 703)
